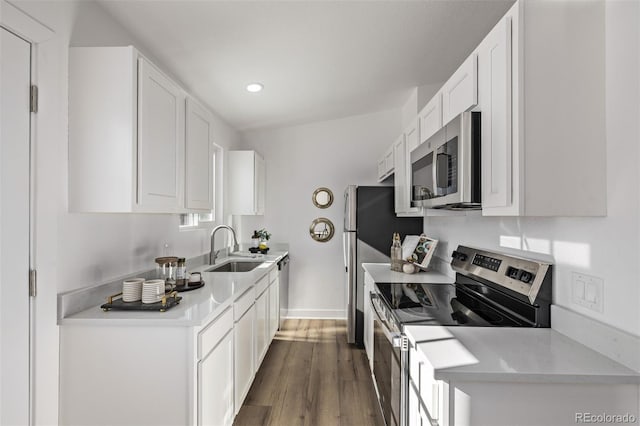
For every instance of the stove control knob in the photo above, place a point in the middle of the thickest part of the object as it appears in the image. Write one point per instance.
(526, 277)
(459, 255)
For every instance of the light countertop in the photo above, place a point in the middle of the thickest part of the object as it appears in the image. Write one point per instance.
(381, 273)
(505, 354)
(196, 308)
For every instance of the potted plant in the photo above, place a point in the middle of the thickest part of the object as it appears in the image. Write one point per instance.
(260, 238)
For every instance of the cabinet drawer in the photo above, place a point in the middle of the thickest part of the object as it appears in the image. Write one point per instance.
(262, 285)
(214, 332)
(243, 304)
(273, 274)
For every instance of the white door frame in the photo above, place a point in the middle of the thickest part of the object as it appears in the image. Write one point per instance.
(33, 31)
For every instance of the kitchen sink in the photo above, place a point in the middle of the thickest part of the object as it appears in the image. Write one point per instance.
(235, 267)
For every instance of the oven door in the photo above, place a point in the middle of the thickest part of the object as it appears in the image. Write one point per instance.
(386, 364)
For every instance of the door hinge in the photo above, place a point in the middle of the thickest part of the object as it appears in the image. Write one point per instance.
(33, 280)
(404, 343)
(33, 101)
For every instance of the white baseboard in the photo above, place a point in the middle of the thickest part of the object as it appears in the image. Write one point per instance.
(316, 314)
(609, 341)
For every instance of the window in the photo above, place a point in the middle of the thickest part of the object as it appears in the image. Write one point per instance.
(194, 220)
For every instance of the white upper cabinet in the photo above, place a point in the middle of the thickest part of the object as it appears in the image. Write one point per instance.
(460, 92)
(430, 118)
(129, 132)
(402, 172)
(412, 137)
(160, 140)
(542, 100)
(494, 102)
(246, 183)
(385, 165)
(199, 158)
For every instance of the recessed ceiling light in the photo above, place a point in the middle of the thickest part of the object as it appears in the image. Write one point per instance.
(254, 87)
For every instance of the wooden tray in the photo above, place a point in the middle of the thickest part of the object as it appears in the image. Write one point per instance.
(116, 303)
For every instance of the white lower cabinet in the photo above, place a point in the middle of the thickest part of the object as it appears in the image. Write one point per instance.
(167, 374)
(243, 333)
(427, 400)
(215, 385)
(507, 402)
(274, 306)
(262, 327)
(148, 374)
(368, 318)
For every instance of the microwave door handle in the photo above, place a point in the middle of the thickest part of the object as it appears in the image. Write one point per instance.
(442, 175)
(434, 172)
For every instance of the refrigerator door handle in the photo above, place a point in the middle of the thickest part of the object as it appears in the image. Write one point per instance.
(344, 251)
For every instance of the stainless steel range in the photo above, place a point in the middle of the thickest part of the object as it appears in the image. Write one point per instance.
(491, 290)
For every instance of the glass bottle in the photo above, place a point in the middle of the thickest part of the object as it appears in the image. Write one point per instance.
(181, 272)
(396, 253)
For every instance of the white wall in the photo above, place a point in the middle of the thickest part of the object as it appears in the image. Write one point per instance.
(299, 160)
(607, 247)
(77, 250)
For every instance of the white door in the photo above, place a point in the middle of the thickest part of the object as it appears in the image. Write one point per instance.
(198, 146)
(15, 82)
(215, 385)
(494, 99)
(160, 128)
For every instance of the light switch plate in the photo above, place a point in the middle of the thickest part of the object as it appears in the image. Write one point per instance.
(587, 291)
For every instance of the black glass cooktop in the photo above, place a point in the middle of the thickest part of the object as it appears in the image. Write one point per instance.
(445, 304)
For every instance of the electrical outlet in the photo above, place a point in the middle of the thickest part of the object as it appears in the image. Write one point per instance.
(587, 291)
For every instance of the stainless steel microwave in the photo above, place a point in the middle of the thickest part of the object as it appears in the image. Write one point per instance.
(445, 169)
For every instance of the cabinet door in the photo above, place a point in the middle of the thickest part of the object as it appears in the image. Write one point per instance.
(215, 385)
(402, 179)
(388, 161)
(494, 100)
(160, 140)
(273, 309)
(243, 335)
(430, 118)
(260, 185)
(381, 169)
(368, 319)
(198, 153)
(413, 406)
(460, 92)
(262, 327)
(399, 181)
(412, 136)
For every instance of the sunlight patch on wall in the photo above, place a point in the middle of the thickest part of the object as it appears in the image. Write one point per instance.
(509, 241)
(537, 245)
(574, 254)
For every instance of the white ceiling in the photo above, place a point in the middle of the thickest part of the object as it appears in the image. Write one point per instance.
(317, 59)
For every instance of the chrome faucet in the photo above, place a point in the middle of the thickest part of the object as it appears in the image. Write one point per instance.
(214, 254)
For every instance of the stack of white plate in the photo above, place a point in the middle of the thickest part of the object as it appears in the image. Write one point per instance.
(132, 289)
(152, 291)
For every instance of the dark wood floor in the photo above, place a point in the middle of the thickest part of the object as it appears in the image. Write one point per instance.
(312, 376)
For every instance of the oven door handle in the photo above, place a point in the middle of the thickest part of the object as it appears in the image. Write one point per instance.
(394, 338)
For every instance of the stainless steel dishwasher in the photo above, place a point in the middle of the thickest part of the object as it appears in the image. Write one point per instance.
(283, 267)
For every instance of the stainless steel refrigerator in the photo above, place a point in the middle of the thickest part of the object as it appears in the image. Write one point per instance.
(369, 224)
